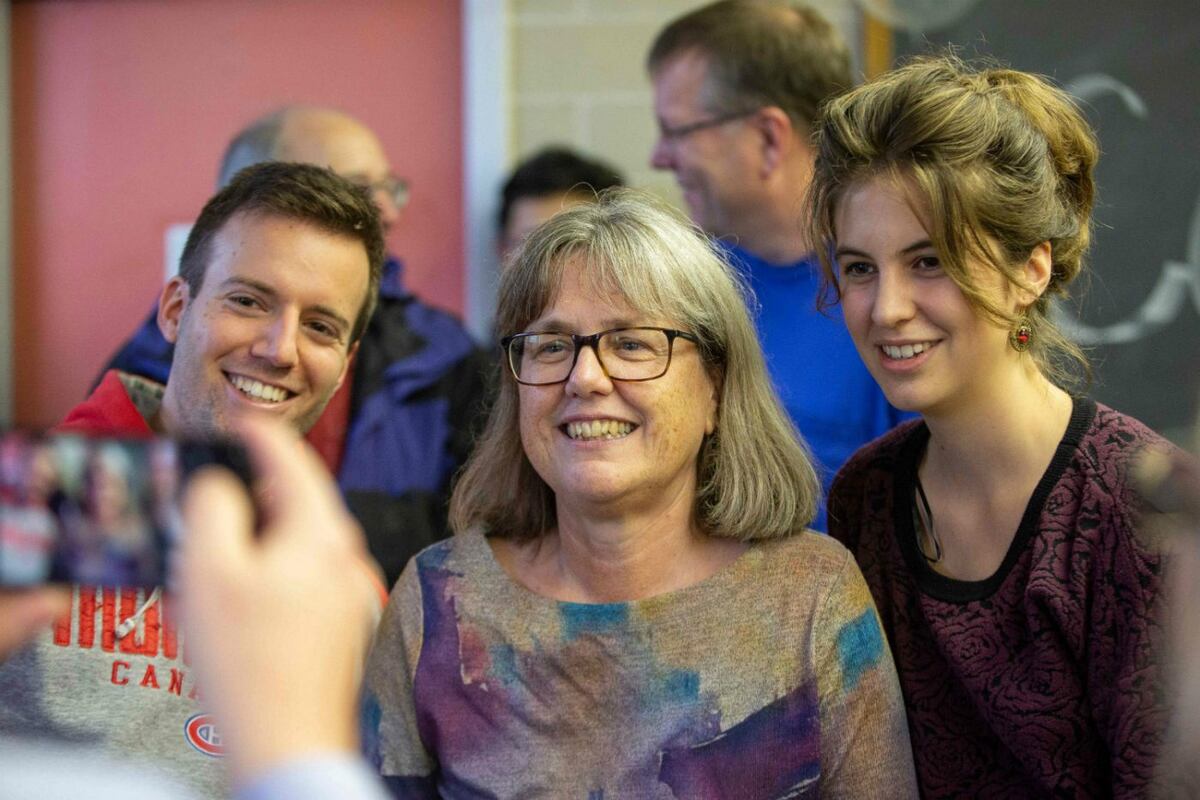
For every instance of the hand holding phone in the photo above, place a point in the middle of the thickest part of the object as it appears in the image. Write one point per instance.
(280, 621)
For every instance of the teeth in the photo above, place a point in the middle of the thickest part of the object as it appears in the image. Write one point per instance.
(258, 390)
(598, 429)
(906, 350)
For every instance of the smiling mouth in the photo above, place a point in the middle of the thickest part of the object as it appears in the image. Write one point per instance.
(903, 351)
(257, 390)
(591, 430)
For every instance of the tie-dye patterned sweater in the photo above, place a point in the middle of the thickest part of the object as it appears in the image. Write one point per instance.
(769, 679)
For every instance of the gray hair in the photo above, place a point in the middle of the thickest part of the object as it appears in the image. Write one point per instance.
(755, 478)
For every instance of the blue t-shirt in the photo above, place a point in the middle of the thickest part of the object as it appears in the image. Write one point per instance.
(830, 396)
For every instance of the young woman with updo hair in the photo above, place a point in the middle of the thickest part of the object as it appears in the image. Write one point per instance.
(951, 206)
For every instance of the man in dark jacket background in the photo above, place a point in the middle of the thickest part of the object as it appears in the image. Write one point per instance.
(404, 420)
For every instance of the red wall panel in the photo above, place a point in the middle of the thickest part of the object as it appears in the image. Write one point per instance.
(122, 109)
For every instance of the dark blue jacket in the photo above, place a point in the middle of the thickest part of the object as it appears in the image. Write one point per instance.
(419, 396)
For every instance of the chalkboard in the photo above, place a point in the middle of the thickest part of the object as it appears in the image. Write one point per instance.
(1136, 69)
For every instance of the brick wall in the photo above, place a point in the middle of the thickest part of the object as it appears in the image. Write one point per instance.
(578, 79)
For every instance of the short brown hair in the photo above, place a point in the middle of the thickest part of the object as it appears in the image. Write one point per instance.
(760, 54)
(999, 159)
(755, 479)
(302, 192)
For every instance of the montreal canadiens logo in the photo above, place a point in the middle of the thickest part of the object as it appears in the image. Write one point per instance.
(201, 733)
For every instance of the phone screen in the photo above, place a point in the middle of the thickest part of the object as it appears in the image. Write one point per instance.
(102, 512)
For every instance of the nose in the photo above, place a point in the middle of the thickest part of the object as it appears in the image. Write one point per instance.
(662, 156)
(278, 342)
(893, 298)
(389, 214)
(588, 375)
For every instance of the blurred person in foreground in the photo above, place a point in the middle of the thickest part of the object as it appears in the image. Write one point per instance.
(950, 206)
(404, 419)
(276, 284)
(551, 180)
(282, 681)
(632, 604)
(737, 87)
(1172, 482)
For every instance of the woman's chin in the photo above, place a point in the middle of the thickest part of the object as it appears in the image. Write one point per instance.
(595, 487)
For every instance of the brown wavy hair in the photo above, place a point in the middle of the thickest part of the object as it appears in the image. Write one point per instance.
(999, 161)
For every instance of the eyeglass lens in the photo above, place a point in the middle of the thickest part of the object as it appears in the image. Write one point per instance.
(680, 131)
(395, 188)
(631, 354)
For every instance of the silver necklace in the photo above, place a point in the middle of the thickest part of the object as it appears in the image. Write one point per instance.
(923, 518)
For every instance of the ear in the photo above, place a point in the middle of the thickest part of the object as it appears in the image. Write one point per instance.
(346, 367)
(172, 304)
(715, 379)
(776, 137)
(1036, 272)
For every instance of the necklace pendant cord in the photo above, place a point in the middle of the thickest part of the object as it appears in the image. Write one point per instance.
(923, 517)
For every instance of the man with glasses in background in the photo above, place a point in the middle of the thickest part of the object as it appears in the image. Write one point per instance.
(405, 417)
(737, 86)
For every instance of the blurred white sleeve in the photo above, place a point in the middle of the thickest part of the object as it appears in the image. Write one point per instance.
(337, 775)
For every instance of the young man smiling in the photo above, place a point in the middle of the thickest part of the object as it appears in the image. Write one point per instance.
(277, 282)
(406, 415)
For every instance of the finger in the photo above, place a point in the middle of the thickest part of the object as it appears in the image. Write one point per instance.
(23, 614)
(292, 470)
(300, 490)
(218, 523)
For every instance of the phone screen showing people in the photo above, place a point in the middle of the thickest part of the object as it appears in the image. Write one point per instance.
(101, 512)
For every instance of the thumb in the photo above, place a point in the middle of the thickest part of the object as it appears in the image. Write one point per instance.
(218, 519)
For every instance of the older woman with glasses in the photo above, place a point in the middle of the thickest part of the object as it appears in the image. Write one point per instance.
(632, 606)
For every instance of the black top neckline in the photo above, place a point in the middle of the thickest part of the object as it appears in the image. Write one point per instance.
(932, 582)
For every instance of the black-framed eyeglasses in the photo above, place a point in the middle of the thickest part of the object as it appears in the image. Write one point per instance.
(395, 187)
(625, 354)
(674, 133)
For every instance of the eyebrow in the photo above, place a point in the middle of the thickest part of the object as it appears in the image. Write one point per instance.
(262, 288)
(922, 244)
(555, 325)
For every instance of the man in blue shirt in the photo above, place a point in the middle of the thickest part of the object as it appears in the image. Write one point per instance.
(737, 85)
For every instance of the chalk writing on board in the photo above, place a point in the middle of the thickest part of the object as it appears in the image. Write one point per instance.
(1177, 280)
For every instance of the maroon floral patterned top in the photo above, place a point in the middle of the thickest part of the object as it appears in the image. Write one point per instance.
(1040, 681)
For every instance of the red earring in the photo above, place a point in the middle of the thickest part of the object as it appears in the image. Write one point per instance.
(1021, 336)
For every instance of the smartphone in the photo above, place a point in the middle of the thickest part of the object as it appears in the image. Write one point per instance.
(96, 511)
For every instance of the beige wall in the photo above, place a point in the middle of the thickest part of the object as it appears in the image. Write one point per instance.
(577, 77)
